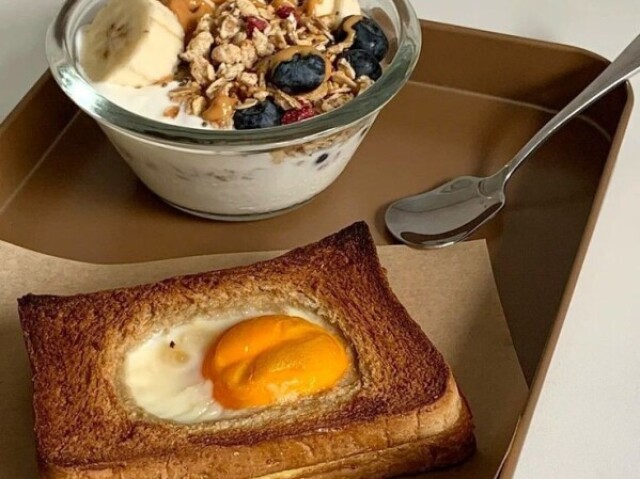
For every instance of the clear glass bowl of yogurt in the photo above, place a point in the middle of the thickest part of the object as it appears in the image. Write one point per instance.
(233, 174)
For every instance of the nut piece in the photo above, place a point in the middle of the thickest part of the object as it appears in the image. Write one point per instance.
(335, 101)
(345, 66)
(247, 8)
(196, 54)
(198, 46)
(205, 24)
(248, 53)
(248, 79)
(364, 83)
(229, 27)
(247, 104)
(230, 72)
(202, 71)
(261, 95)
(286, 102)
(227, 53)
(262, 45)
(197, 105)
(212, 90)
(182, 94)
(342, 78)
(171, 111)
(318, 93)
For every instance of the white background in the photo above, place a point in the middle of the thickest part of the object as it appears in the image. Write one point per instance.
(587, 424)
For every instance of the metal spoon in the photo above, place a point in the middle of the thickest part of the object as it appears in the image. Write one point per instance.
(451, 212)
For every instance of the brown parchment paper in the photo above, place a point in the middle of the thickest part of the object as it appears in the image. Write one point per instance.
(451, 293)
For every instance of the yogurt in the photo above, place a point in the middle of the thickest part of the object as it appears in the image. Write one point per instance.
(239, 186)
(220, 185)
(149, 101)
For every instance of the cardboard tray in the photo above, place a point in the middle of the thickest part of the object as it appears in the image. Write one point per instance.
(473, 101)
(457, 305)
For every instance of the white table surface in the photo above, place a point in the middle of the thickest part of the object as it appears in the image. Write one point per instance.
(587, 423)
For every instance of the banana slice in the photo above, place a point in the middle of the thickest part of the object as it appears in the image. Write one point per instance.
(340, 8)
(345, 8)
(132, 43)
(319, 8)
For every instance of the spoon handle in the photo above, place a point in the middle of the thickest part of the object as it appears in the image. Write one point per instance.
(625, 66)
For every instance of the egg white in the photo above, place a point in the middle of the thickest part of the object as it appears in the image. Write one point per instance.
(163, 374)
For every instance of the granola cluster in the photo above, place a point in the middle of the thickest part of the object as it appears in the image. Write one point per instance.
(226, 63)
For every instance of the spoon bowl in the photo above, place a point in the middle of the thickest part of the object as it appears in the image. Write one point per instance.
(445, 215)
(454, 210)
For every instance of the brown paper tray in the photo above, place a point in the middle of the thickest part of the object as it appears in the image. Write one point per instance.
(474, 99)
(478, 347)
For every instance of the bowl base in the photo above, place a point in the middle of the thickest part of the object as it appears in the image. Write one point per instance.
(237, 218)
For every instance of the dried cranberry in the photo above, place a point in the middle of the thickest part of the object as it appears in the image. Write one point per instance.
(284, 11)
(256, 23)
(293, 116)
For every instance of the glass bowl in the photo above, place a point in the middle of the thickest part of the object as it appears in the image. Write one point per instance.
(237, 175)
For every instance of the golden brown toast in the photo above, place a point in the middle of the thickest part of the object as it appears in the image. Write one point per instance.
(404, 413)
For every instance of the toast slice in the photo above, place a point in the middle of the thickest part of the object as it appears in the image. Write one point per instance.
(404, 414)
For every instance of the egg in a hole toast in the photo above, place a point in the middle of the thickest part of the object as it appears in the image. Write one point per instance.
(305, 365)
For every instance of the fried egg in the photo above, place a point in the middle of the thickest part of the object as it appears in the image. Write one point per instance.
(209, 369)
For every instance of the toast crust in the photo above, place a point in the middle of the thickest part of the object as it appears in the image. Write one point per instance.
(382, 448)
(84, 428)
(436, 452)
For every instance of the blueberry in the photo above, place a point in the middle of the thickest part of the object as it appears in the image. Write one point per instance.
(262, 115)
(301, 74)
(368, 35)
(363, 62)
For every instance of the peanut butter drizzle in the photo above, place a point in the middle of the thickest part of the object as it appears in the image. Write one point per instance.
(189, 12)
(221, 110)
(348, 25)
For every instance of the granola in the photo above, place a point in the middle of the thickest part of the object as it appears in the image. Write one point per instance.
(245, 53)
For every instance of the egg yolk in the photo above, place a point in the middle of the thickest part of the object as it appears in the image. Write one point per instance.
(270, 359)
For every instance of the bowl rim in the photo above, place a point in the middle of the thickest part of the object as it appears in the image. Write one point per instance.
(72, 82)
